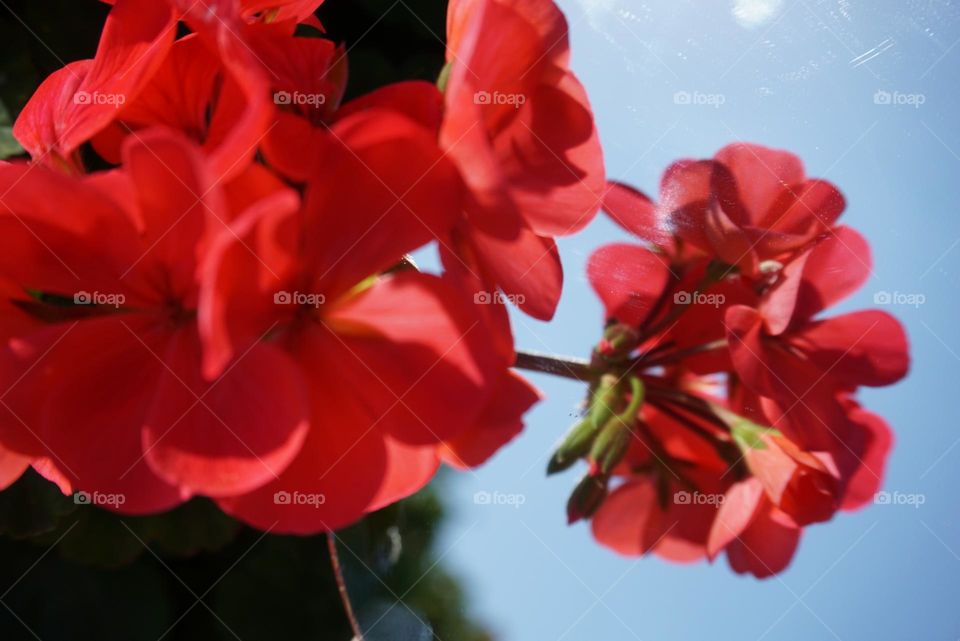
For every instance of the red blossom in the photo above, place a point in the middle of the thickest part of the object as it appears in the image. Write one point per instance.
(749, 390)
(519, 127)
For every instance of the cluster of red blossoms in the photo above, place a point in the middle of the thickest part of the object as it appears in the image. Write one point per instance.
(205, 289)
(203, 273)
(722, 413)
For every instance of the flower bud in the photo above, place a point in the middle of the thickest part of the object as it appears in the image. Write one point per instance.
(617, 342)
(612, 443)
(586, 497)
(575, 444)
(605, 400)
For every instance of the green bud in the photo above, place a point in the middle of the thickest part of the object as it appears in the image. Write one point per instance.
(586, 497)
(614, 439)
(575, 445)
(605, 400)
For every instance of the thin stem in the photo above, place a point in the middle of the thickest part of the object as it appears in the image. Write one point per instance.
(683, 353)
(342, 586)
(690, 402)
(577, 369)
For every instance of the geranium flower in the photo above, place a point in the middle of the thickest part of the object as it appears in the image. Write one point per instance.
(125, 248)
(747, 392)
(519, 126)
(395, 366)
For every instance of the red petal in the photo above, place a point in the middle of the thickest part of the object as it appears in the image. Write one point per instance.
(230, 435)
(244, 109)
(280, 10)
(527, 268)
(763, 362)
(311, 71)
(178, 96)
(346, 467)
(739, 506)
(621, 522)
(552, 160)
(766, 547)
(78, 101)
(868, 478)
(629, 279)
(246, 266)
(418, 100)
(408, 469)
(838, 266)
(498, 424)
(685, 193)
(833, 269)
(386, 190)
(63, 236)
(860, 348)
(177, 200)
(97, 381)
(635, 212)
(404, 344)
(805, 209)
(500, 47)
(333, 481)
(12, 465)
(756, 179)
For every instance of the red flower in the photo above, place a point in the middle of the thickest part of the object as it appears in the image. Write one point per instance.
(718, 320)
(394, 366)
(519, 126)
(126, 248)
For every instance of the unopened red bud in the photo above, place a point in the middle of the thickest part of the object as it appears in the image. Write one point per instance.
(618, 341)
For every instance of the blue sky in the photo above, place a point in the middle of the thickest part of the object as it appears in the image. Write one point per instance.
(805, 76)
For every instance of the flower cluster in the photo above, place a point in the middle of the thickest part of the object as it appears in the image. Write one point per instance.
(203, 272)
(722, 413)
